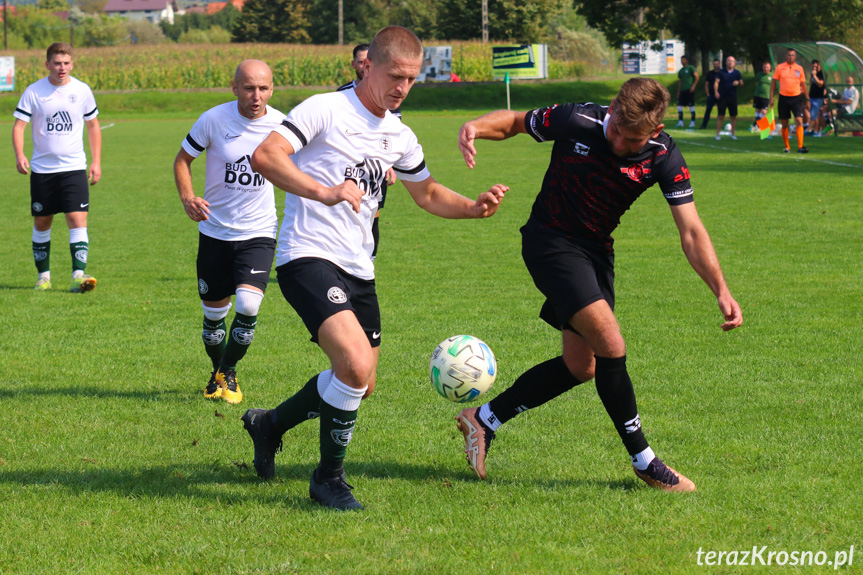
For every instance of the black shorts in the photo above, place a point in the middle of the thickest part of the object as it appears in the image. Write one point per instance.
(760, 103)
(789, 104)
(223, 265)
(727, 103)
(570, 276)
(384, 187)
(686, 98)
(318, 289)
(62, 192)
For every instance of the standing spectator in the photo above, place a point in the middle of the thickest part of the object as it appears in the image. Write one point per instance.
(817, 93)
(237, 220)
(59, 107)
(727, 81)
(791, 78)
(761, 99)
(687, 81)
(710, 92)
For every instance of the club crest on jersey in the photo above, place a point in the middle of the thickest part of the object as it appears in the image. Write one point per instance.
(73, 98)
(386, 143)
(581, 149)
(59, 122)
(636, 172)
(241, 172)
(336, 295)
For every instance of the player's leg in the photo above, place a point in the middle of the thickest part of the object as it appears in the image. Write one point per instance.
(711, 101)
(42, 208)
(212, 266)
(732, 111)
(680, 110)
(720, 116)
(353, 370)
(798, 108)
(74, 190)
(599, 327)
(250, 265)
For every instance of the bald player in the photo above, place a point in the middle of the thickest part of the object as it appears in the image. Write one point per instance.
(236, 218)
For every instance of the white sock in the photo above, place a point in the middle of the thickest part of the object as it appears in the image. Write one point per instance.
(487, 416)
(77, 274)
(342, 396)
(324, 381)
(45, 275)
(641, 460)
(41, 237)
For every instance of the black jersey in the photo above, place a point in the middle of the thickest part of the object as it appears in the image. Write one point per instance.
(586, 188)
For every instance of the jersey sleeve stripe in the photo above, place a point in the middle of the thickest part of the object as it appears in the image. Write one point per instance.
(416, 170)
(20, 111)
(194, 144)
(91, 113)
(296, 131)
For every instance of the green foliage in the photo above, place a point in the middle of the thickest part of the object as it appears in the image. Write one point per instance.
(273, 21)
(361, 20)
(35, 28)
(101, 30)
(144, 32)
(224, 19)
(53, 5)
(212, 35)
(92, 6)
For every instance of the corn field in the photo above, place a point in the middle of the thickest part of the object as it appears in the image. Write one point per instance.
(178, 66)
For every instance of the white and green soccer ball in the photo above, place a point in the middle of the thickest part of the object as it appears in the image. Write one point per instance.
(462, 368)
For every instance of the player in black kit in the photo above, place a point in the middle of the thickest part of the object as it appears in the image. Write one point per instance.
(603, 159)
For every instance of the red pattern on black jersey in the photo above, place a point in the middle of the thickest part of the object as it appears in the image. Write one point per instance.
(586, 188)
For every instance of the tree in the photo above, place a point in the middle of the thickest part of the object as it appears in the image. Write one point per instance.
(273, 21)
(519, 20)
(735, 26)
(53, 5)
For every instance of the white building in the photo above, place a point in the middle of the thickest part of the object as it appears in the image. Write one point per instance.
(152, 10)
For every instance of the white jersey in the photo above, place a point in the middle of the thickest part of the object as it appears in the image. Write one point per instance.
(242, 203)
(336, 138)
(57, 115)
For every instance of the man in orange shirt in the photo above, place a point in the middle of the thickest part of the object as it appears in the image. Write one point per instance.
(792, 97)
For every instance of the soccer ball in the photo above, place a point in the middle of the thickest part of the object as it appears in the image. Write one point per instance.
(462, 368)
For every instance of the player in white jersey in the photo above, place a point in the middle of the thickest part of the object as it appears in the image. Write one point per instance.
(236, 218)
(331, 154)
(58, 108)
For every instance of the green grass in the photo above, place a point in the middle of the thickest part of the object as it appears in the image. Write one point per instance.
(111, 461)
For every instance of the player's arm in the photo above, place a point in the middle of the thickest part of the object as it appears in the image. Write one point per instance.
(272, 159)
(437, 199)
(695, 83)
(498, 125)
(702, 257)
(716, 86)
(197, 208)
(772, 92)
(21, 161)
(94, 136)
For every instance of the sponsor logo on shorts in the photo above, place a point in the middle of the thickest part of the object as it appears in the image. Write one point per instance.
(37, 207)
(85, 205)
(376, 335)
(81, 256)
(254, 271)
(202, 286)
(243, 336)
(633, 424)
(40, 255)
(336, 295)
(213, 336)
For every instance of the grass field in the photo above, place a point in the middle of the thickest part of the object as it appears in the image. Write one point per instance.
(111, 461)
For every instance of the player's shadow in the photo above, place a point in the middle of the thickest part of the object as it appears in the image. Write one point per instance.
(93, 392)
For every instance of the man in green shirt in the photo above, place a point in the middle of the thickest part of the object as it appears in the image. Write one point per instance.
(688, 77)
(761, 100)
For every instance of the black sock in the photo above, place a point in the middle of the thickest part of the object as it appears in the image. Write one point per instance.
(617, 395)
(536, 386)
(302, 406)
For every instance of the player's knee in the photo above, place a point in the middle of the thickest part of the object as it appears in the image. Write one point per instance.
(358, 371)
(249, 301)
(215, 313)
(581, 368)
(370, 388)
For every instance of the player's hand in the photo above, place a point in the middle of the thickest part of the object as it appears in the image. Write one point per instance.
(488, 202)
(731, 311)
(197, 208)
(347, 191)
(95, 174)
(466, 137)
(391, 177)
(23, 165)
